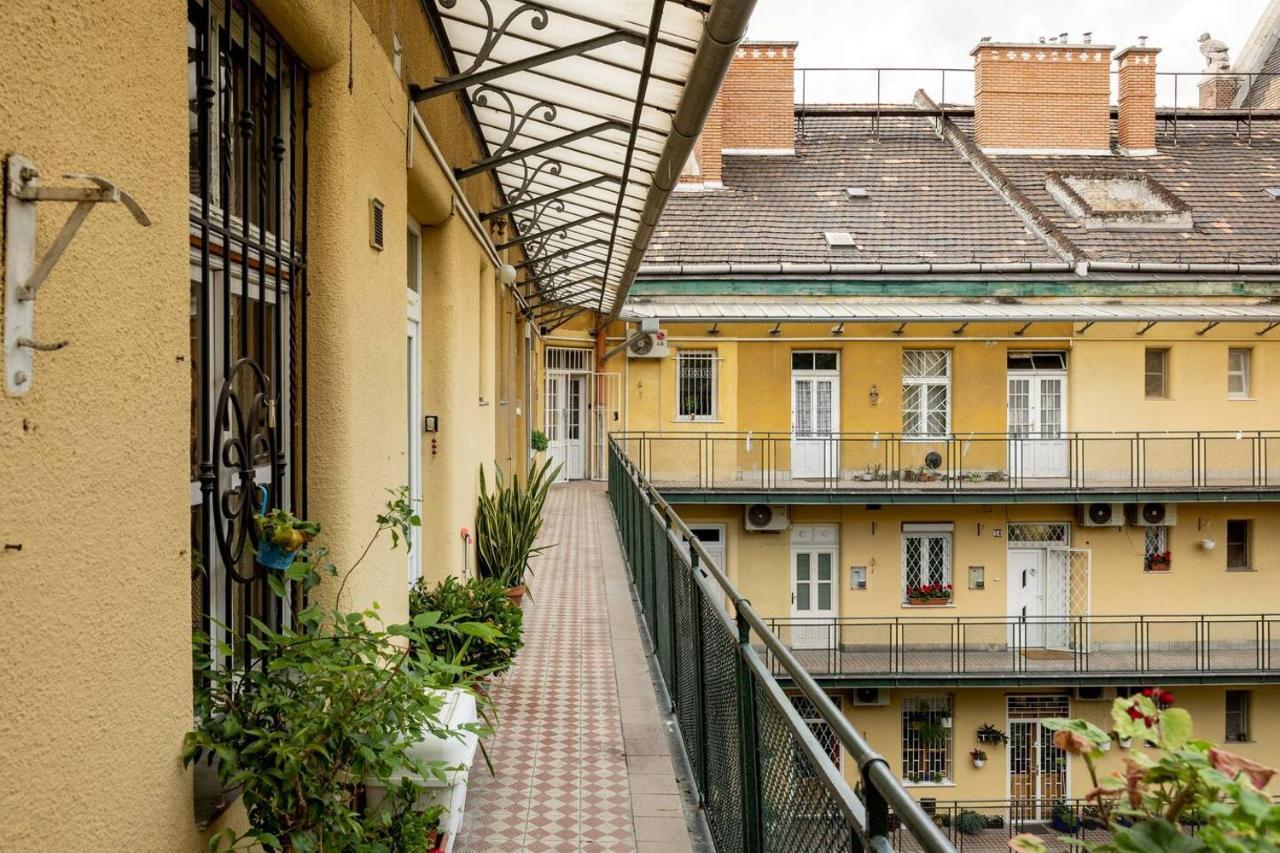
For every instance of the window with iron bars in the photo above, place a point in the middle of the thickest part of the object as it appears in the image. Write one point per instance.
(821, 729)
(926, 559)
(247, 108)
(696, 384)
(926, 739)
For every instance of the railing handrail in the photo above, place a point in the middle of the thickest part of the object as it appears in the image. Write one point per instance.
(1117, 618)
(883, 435)
(874, 769)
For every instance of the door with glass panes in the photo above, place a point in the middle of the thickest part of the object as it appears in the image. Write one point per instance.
(814, 586)
(1037, 415)
(1037, 768)
(815, 414)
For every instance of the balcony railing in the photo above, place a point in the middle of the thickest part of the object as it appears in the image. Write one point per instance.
(764, 779)
(889, 463)
(1199, 647)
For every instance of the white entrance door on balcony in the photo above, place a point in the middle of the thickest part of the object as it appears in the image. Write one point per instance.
(566, 409)
(1037, 414)
(815, 414)
(814, 585)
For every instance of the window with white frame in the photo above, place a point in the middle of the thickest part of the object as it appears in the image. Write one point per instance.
(822, 733)
(926, 556)
(926, 392)
(926, 739)
(696, 384)
(1239, 370)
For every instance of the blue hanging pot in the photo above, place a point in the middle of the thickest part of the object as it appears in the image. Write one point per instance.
(270, 554)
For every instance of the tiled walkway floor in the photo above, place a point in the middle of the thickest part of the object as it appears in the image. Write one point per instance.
(581, 755)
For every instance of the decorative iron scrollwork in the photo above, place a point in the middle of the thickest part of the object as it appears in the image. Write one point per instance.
(528, 176)
(493, 34)
(487, 96)
(244, 436)
(531, 223)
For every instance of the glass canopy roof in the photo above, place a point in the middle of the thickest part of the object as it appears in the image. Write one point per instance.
(574, 100)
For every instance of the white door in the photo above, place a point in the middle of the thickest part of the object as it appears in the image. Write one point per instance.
(815, 415)
(413, 395)
(814, 586)
(1037, 421)
(566, 419)
(1026, 574)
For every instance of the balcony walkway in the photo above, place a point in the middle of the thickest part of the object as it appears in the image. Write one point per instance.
(581, 755)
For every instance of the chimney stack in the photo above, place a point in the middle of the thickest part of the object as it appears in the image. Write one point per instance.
(1042, 98)
(1136, 126)
(754, 113)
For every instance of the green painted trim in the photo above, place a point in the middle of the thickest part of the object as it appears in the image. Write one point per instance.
(932, 287)
(713, 496)
(1065, 679)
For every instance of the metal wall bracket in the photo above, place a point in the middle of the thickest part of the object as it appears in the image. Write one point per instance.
(22, 275)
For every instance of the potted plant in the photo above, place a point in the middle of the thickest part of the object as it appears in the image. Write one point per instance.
(937, 777)
(282, 536)
(979, 757)
(1159, 562)
(1124, 740)
(538, 441)
(929, 594)
(988, 733)
(969, 822)
(913, 777)
(1064, 818)
(508, 520)
(478, 600)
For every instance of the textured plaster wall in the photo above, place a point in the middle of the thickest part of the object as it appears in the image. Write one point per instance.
(95, 612)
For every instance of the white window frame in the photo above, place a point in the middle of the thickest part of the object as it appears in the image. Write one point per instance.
(924, 383)
(1148, 549)
(1165, 358)
(711, 356)
(1244, 373)
(943, 708)
(932, 536)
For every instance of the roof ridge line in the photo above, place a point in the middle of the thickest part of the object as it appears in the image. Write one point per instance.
(1018, 201)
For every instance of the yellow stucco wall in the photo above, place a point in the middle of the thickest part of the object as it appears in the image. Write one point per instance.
(94, 614)
(972, 707)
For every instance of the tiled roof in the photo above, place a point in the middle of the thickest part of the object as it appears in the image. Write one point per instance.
(926, 204)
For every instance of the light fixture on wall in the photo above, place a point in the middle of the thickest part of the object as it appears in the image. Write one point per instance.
(874, 395)
(506, 274)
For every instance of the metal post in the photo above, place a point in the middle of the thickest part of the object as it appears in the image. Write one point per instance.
(749, 747)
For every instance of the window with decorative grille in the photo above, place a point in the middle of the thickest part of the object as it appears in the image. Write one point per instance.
(926, 558)
(926, 392)
(822, 731)
(926, 739)
(247, 102)
(696, 384)
(1155, 544)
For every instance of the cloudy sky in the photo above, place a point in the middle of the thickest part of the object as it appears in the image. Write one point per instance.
(933, 33)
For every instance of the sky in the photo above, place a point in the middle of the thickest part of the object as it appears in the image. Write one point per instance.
(938, 33)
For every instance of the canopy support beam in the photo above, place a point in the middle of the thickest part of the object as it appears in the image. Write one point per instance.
(523, 203)
(497, 162)
(547, 232)
(598, 241)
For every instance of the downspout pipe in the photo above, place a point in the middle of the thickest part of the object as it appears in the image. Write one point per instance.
(725, 26)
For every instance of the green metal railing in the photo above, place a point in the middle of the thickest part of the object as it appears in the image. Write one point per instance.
(764, 780)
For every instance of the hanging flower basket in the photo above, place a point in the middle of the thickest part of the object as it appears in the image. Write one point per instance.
(281, 536)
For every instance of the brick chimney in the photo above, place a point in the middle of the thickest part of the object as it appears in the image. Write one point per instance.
(1042, 98)
(1218, 91)
(754, 112)
(1136, 126)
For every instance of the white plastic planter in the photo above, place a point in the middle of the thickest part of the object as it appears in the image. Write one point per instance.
(458, 752)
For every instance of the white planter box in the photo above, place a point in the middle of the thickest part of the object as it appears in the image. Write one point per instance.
(458, 752)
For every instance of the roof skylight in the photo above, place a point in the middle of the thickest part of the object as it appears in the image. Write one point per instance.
(1118, 200)
(839, 240)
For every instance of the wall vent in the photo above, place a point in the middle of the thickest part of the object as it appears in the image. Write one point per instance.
(375, 224)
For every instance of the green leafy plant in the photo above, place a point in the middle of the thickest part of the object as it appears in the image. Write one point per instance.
(285, 530)
(988, 733)
(508, 521)
(482, 600)
(538, 440)
(309, 712)
(969, 822)
(978, 754)
(1144, 803)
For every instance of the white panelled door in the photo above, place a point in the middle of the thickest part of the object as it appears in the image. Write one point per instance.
(1037, 420)
(814, 586)
(1026, 595)
(815, 414)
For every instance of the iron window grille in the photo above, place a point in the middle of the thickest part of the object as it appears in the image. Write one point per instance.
(926, 393)
(1155, 545)
(696, 384)
(1237, 716)
(247, 119)
(926, 559)
(926, 739)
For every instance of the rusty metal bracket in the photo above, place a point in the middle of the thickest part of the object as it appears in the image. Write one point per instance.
(22, 274)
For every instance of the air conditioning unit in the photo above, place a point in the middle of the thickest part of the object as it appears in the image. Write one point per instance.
(1100, 515)
(1090, 694)
(1153, 515)
(766, 518)
(648, 345)
(877, 696)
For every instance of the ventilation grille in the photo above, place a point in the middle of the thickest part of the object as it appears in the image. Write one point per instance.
(375, 224)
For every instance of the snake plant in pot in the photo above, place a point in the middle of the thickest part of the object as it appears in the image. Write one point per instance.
(508, 520)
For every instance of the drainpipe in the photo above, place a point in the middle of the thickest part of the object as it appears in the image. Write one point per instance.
(724, 27)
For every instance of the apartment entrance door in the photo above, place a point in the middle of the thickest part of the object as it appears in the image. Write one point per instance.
(814, 586)
(1037, 415)
(1037, 768)
(815, 414)
(566, 409)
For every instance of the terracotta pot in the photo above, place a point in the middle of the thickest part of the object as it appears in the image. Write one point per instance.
(516, 594)
(1154, 566)
(928, 602)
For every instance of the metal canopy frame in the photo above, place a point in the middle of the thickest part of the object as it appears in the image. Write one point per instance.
(573, 103)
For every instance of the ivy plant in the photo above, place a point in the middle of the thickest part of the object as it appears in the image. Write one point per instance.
(305, 714)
